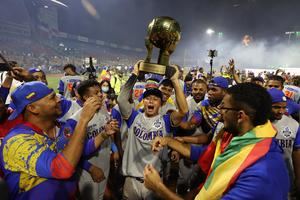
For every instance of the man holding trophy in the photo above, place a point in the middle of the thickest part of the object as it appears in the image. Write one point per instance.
(164, 33)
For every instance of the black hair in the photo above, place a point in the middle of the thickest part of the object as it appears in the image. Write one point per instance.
(166, 82)
(84, 85)
(72, 67)
(276, 78)
(188, 77)
(257, 78)
(253, 99)
(200, 81)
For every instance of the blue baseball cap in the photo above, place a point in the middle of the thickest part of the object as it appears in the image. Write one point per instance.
(277, 95)
(219, 81)
(27, 93)
(33, 70)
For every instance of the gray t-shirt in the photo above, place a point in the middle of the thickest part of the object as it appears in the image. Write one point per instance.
(141, 132)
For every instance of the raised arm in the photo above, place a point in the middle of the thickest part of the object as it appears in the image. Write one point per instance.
(177, 116)
(160, 142)
(123, 98)
(73, 151)
(233, 72)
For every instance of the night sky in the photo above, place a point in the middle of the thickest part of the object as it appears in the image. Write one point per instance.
(125, 21)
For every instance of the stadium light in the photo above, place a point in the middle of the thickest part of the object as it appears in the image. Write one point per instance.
(210, 31)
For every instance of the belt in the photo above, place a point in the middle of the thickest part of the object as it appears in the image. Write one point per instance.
(141, 180)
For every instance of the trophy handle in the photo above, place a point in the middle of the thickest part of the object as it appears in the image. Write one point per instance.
(171, 70)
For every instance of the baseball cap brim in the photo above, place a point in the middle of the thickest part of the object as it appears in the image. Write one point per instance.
(153, 91)
(15, 114)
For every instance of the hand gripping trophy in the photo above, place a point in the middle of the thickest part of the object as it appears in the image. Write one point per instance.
(163, 33)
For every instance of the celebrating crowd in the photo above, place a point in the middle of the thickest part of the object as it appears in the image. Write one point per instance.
(202, 136)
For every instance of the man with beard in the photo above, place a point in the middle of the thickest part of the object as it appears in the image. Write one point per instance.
(209, 107)
(288, 134)
(33, 164)
(243, 161)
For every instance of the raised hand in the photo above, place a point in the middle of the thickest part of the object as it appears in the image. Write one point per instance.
(176, 74)
(231, 65)
(151, 178)
(158, 143)
(21, 74)
(136, 67)
(112, 127)
(90, 107)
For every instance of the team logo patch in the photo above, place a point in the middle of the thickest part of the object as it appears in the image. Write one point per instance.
(67, 132)
(286, 132)
(157, 124)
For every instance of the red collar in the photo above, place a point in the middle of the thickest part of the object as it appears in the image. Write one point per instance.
(34, 127)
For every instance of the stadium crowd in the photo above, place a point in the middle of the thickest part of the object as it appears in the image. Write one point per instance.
(127, 134)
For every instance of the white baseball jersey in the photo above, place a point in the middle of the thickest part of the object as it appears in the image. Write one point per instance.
(288, 136)
(66, 84)
(100, 158)
(141, 131)
(292, 92)
(69, 108)
(138, 90)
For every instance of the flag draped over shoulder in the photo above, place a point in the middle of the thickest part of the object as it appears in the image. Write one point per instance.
(227, 157)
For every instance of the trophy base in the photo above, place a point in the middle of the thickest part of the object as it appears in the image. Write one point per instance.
(152, 68)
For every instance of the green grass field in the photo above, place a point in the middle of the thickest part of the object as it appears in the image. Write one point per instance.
(53, 80)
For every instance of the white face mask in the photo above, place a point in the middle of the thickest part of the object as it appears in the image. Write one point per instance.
(104, 89)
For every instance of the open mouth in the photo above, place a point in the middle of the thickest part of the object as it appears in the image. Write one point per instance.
(150, 108)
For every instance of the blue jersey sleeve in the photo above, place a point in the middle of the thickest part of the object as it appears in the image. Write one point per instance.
(85, 164)
(196, 151)
(168, 123)
(115, 114)
(197, 118)
(297, 140)
(61, 86)
(292, 107)
(65, 105)
(114, 147)
(132, 117)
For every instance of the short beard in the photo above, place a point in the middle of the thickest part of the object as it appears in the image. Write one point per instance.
(233, 130)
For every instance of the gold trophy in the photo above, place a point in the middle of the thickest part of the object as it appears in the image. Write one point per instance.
(163, 33)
